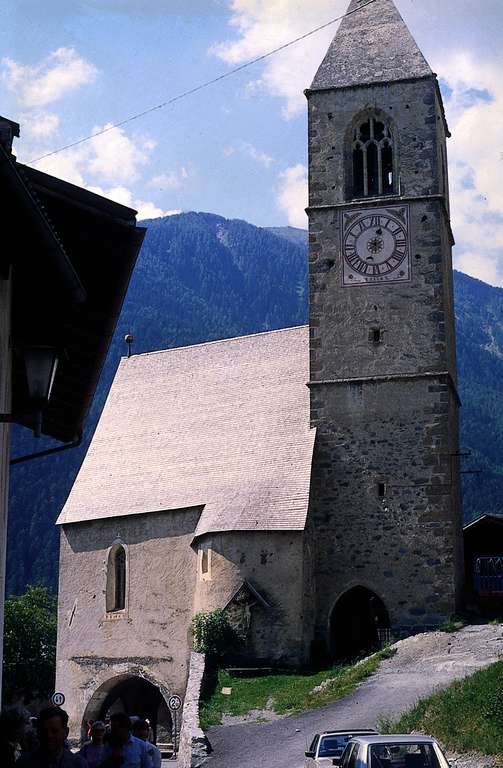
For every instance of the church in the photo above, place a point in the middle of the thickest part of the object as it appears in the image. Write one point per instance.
(305, 480)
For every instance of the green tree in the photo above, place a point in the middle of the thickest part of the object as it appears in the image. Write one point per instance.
(29, 646)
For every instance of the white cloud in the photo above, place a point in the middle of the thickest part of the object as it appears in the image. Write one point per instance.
(249, 150)
(124, 196)
(482, 267)
(39, 125)
(170, 179)
(292, 195)
(114, 157)
(105, 165)
(58, 74)
(265, 24)
(475, 112)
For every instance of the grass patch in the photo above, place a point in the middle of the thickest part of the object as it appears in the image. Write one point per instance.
(285, 693)
(466, 717)
(453, 625)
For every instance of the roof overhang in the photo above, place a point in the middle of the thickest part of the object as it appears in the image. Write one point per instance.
(71, 265)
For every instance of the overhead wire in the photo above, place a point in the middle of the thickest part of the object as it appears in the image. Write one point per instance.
(199, 87)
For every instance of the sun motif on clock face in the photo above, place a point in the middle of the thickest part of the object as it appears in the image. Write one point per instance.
(375, 246)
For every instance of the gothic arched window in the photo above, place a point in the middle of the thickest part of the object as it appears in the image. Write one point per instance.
(373, 161)
(116, 579)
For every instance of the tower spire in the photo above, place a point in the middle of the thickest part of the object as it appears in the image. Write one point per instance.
(372, 45)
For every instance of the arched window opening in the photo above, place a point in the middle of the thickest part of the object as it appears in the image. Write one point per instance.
(120, 579)
(373, 161)
(116, 579)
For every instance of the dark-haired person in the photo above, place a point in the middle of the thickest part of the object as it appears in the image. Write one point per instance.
(141, 729)
(94, 751)
(52, 730)
(13, 721)
(123, 750)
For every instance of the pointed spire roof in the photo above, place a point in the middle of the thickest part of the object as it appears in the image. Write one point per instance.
(372, 45)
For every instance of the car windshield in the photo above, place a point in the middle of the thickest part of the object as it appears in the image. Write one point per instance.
(332, 746)
(411, 755)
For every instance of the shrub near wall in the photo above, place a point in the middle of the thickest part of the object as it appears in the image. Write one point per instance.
(214, 635)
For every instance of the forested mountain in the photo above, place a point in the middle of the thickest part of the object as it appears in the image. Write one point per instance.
(201, 277)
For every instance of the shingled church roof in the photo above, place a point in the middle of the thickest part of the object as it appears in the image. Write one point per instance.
(222, 425)
(372, 45)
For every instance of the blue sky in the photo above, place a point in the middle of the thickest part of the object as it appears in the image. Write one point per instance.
(71, 67)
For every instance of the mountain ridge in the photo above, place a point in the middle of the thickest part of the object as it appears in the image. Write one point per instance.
(202, 277)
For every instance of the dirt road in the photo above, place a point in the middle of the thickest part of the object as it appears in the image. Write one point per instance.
(422, 664)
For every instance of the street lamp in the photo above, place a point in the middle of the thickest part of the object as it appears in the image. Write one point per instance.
(41, 363)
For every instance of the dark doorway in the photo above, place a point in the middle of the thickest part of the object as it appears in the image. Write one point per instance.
(135, 696)
(359, 624)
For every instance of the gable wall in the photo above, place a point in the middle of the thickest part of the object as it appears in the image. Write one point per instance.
(273, 563)
(150, 636)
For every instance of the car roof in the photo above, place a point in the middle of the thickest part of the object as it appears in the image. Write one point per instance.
(350, 731)
(397, 738)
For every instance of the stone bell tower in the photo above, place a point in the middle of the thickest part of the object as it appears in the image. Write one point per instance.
(386, 513)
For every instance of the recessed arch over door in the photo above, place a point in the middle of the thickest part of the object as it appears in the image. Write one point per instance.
(134, 695)
(359, 624)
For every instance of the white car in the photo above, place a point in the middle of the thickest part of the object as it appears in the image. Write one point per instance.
(392, 751)
(331, 744)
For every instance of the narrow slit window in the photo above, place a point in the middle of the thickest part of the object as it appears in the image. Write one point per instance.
(205, 562)
(120, 579)
(373, 160)
(376, 335)
(116, 579)
(381, 490)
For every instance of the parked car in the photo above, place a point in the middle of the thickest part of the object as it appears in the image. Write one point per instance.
(325, 746)
(392, 752)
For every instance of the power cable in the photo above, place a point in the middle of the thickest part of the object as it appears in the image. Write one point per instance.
(199, 87)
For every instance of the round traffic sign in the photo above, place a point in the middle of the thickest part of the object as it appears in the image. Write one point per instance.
(58, 699)
(174, 702)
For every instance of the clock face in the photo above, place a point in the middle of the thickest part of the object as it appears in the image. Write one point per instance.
(375, 245)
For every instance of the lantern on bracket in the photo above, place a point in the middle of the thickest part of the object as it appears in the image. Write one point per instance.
(40, 364)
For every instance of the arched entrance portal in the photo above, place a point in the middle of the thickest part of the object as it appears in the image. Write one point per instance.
(359, 624)
(136, 696)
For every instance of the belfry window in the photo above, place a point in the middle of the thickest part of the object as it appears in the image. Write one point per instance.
(116, 579)
(373, 168)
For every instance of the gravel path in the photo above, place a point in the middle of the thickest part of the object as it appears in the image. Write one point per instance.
(422, 664)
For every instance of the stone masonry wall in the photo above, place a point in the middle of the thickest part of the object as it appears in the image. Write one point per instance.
(149, 638)
(273, 563)
(193, 751)
(384, 412)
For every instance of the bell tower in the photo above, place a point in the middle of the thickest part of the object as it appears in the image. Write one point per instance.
(386, 512)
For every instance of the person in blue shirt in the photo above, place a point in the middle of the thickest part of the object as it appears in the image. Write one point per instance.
(93, 751)
(141, 730)
(124, 750)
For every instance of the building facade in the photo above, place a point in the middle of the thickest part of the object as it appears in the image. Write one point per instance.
(304, 480)
(61, 289)
(386, 499)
